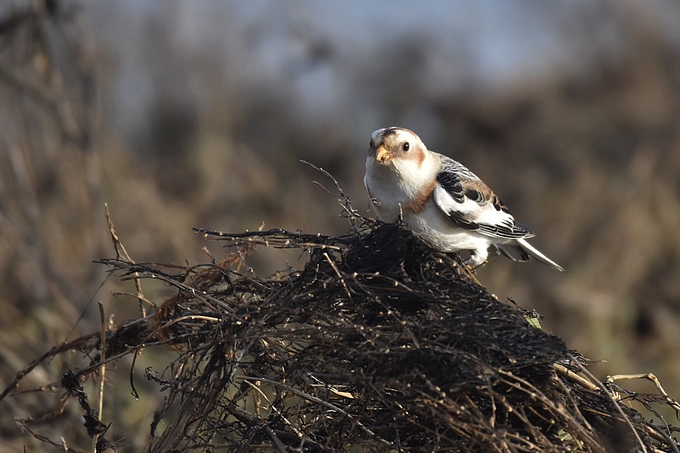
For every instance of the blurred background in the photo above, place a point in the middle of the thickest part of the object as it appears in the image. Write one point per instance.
(181, 114)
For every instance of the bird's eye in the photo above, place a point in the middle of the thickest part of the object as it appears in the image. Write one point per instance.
(370, 144)
(406, 146)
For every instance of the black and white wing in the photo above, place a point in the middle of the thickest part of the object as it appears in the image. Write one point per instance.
(472, 205)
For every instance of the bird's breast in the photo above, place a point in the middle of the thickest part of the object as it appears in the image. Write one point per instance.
(420, 199)
(386, 192)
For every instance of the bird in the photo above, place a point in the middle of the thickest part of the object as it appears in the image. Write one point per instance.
(441, 200)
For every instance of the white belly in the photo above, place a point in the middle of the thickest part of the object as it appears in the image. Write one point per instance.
(444, 235)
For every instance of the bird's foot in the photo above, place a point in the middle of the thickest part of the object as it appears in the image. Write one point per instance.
(471, 266)
(476, 260)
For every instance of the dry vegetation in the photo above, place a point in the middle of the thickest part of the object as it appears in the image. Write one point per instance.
(378, 344)
(589, 161)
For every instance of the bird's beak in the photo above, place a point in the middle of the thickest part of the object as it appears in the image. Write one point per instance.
(381, 154)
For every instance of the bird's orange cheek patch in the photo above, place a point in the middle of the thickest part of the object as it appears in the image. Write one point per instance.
(420, 159)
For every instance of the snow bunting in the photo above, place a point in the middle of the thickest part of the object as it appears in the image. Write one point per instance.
(441, 200)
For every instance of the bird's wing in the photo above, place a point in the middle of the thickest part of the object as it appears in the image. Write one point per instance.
(472, 205)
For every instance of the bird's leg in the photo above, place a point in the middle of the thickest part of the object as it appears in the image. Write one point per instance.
(477, 259)
(470, 267)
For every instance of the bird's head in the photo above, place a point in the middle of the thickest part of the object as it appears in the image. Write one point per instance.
(396, 143)
(400, 171)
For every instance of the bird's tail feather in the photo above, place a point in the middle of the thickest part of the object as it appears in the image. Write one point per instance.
(520, 250)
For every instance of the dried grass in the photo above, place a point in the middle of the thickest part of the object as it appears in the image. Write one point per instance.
(379, 344)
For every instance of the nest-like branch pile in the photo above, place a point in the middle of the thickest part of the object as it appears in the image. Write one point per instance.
(379, 344)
